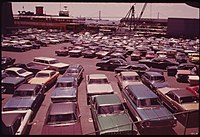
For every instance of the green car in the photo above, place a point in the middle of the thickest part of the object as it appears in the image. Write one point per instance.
(110, 116)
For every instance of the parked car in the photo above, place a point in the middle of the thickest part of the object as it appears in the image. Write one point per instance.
(53, 63)
(63, 51)
(146, 106)
(66, 89)
(102, 53)
(193, 80)
(181, 57)
(194, 89)
(15, 122)
(47, 78)
(154, 80)
(62, 119)
(136, 55)
(139, 68)
(110, 116)
(76, 51)
(88, 53)
(76, 71)
(127, 78)
(194, 58)
(32, 67)
(178, 99)
(183, 75)
(10, 84)
(97, 84)
(161, 63)
(6, 62)
(26, 96)
(111, 64)
(150, 55)
(19, 72)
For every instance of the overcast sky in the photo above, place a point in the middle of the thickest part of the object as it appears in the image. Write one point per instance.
(117, 10)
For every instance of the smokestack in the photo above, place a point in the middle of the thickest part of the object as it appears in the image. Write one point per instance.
(39, 10)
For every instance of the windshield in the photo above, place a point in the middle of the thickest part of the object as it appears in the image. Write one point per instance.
(21, 71)
(67, 84)
(60, 119)
(72, 71)
(98, 81)
(158, 78)
(189, 99)
(130, 77)
(110, 109)
(42, 75)
(23, 93)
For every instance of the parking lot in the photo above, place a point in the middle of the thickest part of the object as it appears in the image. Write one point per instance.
(89, 65)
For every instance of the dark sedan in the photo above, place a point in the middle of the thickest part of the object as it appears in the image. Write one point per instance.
(111, 64)
(26, 96)
(10, 84)
(159, 62)
(88, 53)
(154, 80)
(6, 62)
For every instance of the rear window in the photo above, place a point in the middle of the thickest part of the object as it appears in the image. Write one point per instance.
(61, 119)
(110, 109)
(98, 81)
(23, 93)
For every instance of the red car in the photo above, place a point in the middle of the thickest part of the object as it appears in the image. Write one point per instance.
(194, 89)
(150, 55)
(63, 51)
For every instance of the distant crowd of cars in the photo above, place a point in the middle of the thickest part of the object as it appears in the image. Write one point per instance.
(148, 97)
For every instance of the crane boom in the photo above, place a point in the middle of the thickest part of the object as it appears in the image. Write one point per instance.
(142, 11)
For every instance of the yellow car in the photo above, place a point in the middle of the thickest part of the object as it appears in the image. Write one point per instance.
(47, 78)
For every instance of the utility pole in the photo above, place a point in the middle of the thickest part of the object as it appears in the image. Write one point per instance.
(99, 15)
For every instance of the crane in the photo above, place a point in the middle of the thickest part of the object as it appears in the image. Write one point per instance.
(130, 17)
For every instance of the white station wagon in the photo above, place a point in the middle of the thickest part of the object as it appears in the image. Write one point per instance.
(53, 63)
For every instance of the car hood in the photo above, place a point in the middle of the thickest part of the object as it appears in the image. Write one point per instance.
(116, 120)
(73, 129)
(26, 74)
(190, 106)
(38, 80)
(64, 92)
(59, 65)
(99, 88)
(154, 112)
(19, 102)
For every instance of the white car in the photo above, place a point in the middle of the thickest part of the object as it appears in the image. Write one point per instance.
(127, 78)
(97, 84)
(19, 72)
(15, 122)
(53, 63)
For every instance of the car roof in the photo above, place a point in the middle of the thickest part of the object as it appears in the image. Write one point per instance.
(10, 118)
(182, 92)
(94, 76)
(45, 58)
(27, 87)
(74, 65)
(66, 79)
(129, 73)
(107, 99)
(141, 91)
(62, 108)
(14, 68)
(152, 73)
